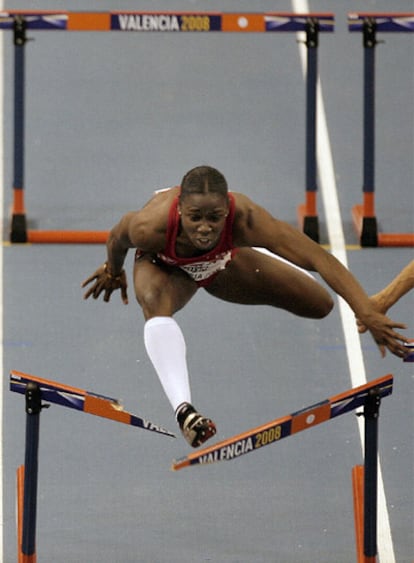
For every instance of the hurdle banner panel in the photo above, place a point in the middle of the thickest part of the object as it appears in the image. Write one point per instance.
(165, 21)
(21, 21)
(275, 430)
(363, 215)
(81, 400)
(388, 22)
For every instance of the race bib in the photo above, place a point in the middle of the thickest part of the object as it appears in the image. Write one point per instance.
(200, 271)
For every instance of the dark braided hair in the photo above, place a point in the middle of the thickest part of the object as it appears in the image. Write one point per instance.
(203, 180)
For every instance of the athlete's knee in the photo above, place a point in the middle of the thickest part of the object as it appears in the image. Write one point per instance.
(324, 306)
(153, 302)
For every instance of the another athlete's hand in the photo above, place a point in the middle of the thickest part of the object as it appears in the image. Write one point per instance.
(105, 282)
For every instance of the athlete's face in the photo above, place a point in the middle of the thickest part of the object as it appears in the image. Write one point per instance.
(203, 217)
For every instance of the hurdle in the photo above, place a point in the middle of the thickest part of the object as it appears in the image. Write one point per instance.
(363, 215)
(37, 390)
(364, 477)
(22, 21)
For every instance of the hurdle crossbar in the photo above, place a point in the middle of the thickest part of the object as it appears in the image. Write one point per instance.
(21, 21)
(166, 21)
(364, 478)
(363, 215)
(81, 400)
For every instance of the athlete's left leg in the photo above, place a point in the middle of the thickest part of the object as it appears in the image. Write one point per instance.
(255, 278)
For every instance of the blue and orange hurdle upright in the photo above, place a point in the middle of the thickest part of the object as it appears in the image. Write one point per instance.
(37, 390)
(364, 215)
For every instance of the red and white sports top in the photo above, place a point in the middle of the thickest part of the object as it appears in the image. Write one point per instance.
(204, 268)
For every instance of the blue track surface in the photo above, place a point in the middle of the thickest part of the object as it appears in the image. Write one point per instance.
(111, 117)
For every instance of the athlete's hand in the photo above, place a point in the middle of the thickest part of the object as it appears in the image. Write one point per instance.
(379, 305)
(386, 337)
(104, 281)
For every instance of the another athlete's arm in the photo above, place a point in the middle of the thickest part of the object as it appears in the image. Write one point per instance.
(397, 288)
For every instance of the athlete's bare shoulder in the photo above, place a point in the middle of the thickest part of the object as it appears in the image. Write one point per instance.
(242, 202)
(146, 228)
(161, 200)
(249, 218)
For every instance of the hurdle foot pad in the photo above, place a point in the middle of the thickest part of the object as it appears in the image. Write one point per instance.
(365, 226)
(311, 227)
(18, 230)
(369, 234)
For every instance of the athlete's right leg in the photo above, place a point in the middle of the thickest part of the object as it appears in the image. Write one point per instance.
(161, 291)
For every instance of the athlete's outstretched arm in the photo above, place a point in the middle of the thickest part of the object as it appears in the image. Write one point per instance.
(256, 227)
(111, 275)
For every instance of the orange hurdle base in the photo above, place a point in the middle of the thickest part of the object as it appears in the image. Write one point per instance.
(358, 494)
(67, 237)
(307, 216)
(20, 234)
(366, 228)
(22, 557)
(18, 228)
(396, 239)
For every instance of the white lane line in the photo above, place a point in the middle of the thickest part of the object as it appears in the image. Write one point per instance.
(337, 242)
(1, 287)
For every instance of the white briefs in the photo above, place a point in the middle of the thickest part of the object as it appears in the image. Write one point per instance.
(277, 257)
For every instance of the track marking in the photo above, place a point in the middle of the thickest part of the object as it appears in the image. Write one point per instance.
(337, 243)
(1, 287)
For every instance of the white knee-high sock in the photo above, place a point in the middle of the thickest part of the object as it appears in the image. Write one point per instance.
(166, 349)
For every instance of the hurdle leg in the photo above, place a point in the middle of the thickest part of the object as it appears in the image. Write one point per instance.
(27, 478)
(371, 414)
(365, 485)
(307, 212)
(369, 222)
(18, 219)
(364, 218)
(363, 215)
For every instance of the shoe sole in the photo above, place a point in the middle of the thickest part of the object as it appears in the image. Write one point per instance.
(208, 431)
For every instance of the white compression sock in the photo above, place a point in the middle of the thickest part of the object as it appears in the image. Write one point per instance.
(166, 349)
